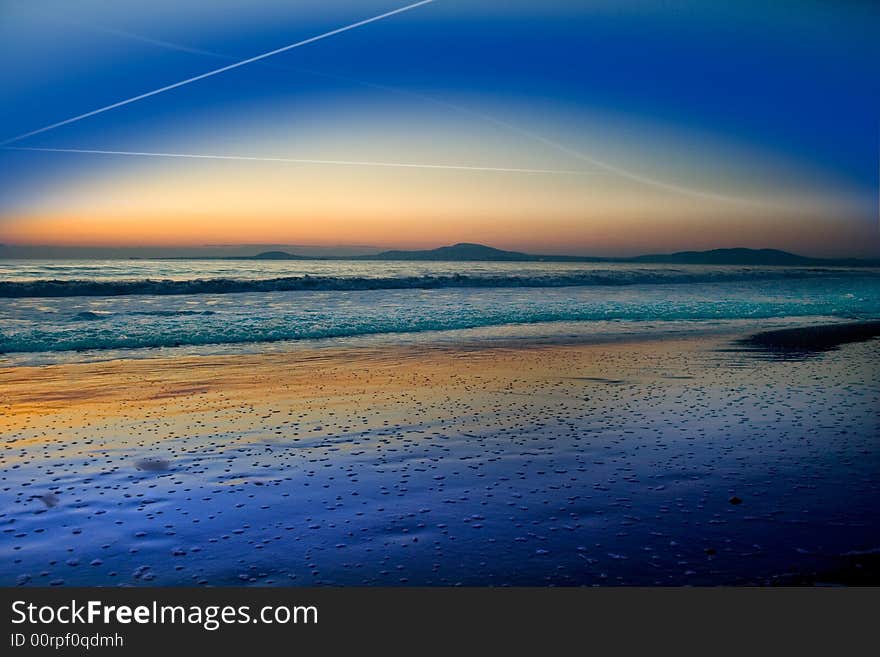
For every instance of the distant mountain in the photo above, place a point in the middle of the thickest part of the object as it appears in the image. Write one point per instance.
(461, 251)
(465, 251)
(277, 255)
(468, 252)
(729, 257)
(743, 256)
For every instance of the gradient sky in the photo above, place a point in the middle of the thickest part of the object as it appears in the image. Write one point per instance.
(656, 126)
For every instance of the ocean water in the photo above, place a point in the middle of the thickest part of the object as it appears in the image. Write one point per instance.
(57, 311)
(608, 465)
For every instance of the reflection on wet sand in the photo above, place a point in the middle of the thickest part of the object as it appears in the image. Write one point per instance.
(558, 464)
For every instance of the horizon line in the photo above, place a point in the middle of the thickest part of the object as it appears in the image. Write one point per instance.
(378, 250)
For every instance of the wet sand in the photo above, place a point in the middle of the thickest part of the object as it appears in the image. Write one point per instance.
(677, 461)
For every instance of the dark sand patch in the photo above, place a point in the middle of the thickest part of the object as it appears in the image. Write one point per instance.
(808, 340)
(600, 379)
(849, 569)
(153, 465)
(49, 499)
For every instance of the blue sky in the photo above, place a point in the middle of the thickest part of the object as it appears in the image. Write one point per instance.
(776, 107)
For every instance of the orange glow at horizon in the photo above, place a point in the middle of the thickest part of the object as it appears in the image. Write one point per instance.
(181, 205)
(574, 234)
(709, 195)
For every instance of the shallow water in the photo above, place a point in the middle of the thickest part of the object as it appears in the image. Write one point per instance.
(133, 308)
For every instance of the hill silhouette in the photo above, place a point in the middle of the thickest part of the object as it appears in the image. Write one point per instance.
(465, 251)
(738, 256)
(470, 252)
(277, 255)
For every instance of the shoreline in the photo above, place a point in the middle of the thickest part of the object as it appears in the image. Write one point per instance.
(197, 373)
(508, 336)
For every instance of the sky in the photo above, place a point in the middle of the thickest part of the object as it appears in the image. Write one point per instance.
(562, 126)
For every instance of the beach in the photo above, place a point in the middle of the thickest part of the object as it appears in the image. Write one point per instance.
(672, 460)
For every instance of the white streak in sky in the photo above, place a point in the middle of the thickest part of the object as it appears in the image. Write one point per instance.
(217, 71)
(291, 160)
(106, 29)
(600, 164)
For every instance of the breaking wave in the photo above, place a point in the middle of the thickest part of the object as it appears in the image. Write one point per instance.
(598, 277)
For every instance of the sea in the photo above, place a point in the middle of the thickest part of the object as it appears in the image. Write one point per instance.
(666, 462)
(56, 311)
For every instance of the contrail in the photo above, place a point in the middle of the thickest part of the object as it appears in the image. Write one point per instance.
(600, 164)
(292, 160)
(217, 71)
(107, 29)
(620, 171)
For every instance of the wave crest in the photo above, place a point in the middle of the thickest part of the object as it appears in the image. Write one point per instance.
(97, 288)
